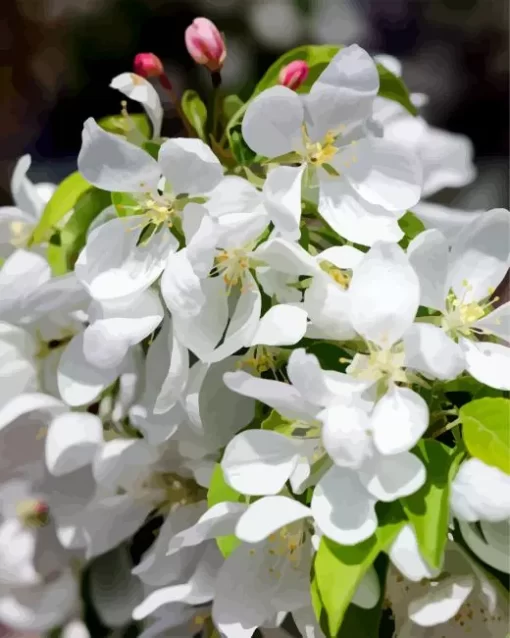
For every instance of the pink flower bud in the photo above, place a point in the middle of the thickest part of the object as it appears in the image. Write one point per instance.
(294, 74)
(205, 44)
(148, 65)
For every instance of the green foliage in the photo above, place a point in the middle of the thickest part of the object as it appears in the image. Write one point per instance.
(393, 88)
(231, 104)
(195, 111)
(428, 508)
(411, 226)
(289, 427)
(242, 153)
(486, 431)
(65, 247)
(125, 204)
(120, 125)
(339, 569)
(61, 202)
(219, 492)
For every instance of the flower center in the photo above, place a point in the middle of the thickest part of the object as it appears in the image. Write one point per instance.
(386, 364)
(232, 265)
(285, 548)
(460, 314)
(261, 359)
(168, 491)
(33, 513)
(319, 153)
(20, 233)
(341, 277)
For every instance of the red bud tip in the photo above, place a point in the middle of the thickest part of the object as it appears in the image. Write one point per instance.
(148, 65)
(294, 74)
(205, 44)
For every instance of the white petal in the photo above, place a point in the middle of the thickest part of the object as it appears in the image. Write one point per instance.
(72, 441)
(480, 492)
(278, 285)
(189, 165)
(346, 257)
(490, 554)
(428, 255)
(75, 629)
(282, 192)
(441, 602)
(259, 462)
(449, 221)
(447, 160)
(219, 520)
(281, 396)
(390, 477)
(24, 193)
(17, 552)
(345, 435)
(243, 323)
(481, 255)
(233, 195)
(497, 322)
(487, 362)
(384, 295)
(267, 515)
(79, 382)
(202, 332)
(406, 557)
(119, 326)
(113, 164)
(41, 607)
(381, 172)
(157, 428)
(368, 592)
(342, 508)
(180, 286)
(282, 325)
(20, 276)
(309, 379)
(399, 419)
(327, 305)
(430, 350)
(141, 90)
(167, 366)
(287, 257)
(112, 266)
(272, 122)
(201, 232)
(217, 413)
(343, 93)
(113, 589)
(353, 217)
(121, 462)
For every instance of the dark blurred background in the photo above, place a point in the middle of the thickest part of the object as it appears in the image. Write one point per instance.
(58, 57)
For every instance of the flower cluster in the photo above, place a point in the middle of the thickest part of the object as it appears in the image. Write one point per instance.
(250, 381)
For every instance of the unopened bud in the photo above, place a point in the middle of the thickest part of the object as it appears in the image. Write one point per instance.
(205, 44)
(148, 65)
(33, 512)
(294, 74)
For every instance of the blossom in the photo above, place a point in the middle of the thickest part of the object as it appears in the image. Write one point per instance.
(459, 284)
(294, 74)
(371, 182)
(205, 44)
(136, 87)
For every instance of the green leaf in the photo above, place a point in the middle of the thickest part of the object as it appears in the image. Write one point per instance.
(65, 245)
(393, 88)
(316, 56)
(219, 492)
(61, 202)
(195, 111)
(339, 569)
(120, 125)
(231, 104)
(240, 150)
(411, 226)
(486, 431)
(428, 508)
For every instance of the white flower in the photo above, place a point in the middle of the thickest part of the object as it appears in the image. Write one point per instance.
(490, 542)
(458, 283)
(141, 90)
(18, 221)
(213, 297)
(480, 492)
(463, 601)
(374, 181)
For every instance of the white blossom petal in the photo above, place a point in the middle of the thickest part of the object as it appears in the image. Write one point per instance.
(272, 122)
(282, 325)
(141, 90)
(327, 305)
(72, 441)
(110, 162)
(428, 349)
(428, 255)
(487, 362)
(384, 295)
(267, 515)
(399, 419)
(282, 193)
(390, 477)
(441, 602)
(497, 322)
(345, 435)
(189, 165)
(405, 555)
(342, 508)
